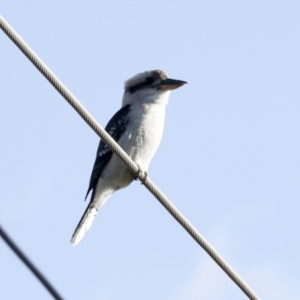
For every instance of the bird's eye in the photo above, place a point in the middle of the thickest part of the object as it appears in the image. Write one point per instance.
(148, 82)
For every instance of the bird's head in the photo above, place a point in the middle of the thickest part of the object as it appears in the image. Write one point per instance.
(150, 87)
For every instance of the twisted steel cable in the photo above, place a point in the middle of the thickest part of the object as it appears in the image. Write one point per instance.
(133, 167)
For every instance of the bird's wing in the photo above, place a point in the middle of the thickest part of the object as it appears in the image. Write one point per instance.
(115, 127)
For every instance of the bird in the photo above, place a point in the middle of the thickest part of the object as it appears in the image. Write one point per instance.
(137, 127)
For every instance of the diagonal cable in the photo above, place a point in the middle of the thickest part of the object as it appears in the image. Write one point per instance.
(132, 166)
(29, 264)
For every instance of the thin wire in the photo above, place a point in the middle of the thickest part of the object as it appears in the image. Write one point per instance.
(132, 166)
(29, 264)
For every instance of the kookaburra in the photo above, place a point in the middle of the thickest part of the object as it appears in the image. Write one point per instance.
(137, 127)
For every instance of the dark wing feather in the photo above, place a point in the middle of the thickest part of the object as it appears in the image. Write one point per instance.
(115, 127)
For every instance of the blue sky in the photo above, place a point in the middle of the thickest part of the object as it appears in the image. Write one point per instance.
(229, 158)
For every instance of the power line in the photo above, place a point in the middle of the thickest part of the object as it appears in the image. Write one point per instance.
(29, 265)
(132, 166)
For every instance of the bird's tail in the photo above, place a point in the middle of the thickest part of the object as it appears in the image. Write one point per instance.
(85, 223)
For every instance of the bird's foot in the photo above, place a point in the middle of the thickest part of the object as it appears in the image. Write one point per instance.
(141, 175)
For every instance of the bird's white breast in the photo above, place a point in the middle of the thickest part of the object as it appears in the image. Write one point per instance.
(144, 132)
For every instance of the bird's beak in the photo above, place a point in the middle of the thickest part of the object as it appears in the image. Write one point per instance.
(171, 84)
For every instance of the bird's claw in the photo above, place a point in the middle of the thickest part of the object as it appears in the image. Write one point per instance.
(141, 175)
